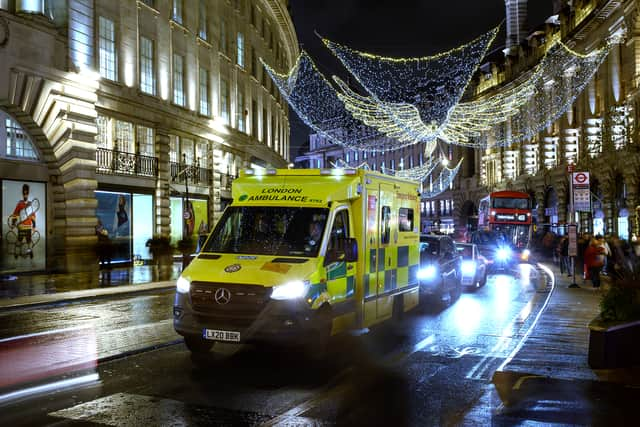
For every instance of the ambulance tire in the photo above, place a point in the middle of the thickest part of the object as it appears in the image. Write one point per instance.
(198, 345)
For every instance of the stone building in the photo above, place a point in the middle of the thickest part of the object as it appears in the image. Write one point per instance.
(131, 119)
(599, 134)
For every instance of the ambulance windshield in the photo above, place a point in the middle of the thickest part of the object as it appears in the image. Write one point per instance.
(282, 231)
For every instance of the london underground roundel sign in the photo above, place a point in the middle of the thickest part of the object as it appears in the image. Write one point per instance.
(581, 178)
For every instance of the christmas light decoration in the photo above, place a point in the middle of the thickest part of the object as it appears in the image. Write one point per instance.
(432, 85)
(317, 104)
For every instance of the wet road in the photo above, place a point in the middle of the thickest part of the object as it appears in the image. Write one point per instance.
(433, 369)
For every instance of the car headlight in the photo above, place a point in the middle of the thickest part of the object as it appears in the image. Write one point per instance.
(503, 254)
(291, 290)
(428, 272)
(525, 255)
(183, 285)
(468, 268)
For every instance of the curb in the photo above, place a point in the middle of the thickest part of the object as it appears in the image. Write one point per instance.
(64, 297)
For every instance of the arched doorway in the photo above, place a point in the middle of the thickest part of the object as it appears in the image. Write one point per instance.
(621, 212)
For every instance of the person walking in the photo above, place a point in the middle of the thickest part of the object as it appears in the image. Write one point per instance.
(565, 260)
(593, 259)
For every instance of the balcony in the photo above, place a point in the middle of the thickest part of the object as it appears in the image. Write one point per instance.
(196, 175)
(115, 162)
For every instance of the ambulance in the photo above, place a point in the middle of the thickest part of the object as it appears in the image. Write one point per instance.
(300, 255)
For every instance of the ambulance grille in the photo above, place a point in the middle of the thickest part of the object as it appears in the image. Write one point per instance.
(244, 301)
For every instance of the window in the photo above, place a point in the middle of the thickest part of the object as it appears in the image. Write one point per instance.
(202, 20)
(18, 142)
(149, 3)
(385, 231)
(339, 232)
(240, 53)
(145, 140)
(405, 219)
(176, 11)
(107, 49)
(124, 137)
(205, 108)
(178, 80)
(174, 148)
(224, 100)
(104, 139)
(240, 109)
(255, 64)
(147, 66)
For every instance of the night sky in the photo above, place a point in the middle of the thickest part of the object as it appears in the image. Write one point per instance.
(400, 28)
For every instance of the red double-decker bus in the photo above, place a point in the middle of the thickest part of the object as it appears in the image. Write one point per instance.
(508, 213)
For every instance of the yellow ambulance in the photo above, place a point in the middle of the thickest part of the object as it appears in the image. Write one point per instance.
(300, 255)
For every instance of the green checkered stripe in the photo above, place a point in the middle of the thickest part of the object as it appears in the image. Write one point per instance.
(403, 273)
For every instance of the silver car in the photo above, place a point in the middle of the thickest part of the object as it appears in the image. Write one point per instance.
(473, 267)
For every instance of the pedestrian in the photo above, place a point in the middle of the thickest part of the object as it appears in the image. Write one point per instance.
(565, 260)
(594, 260)
(606, 251)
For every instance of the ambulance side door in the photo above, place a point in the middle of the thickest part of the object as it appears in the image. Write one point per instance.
(340, 273)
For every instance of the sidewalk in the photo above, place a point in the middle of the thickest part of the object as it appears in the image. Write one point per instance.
(555, 351)
(19, 290)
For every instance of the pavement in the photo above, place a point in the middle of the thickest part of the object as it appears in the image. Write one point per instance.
(24, 290)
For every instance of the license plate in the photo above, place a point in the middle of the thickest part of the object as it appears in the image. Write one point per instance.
(216, 335)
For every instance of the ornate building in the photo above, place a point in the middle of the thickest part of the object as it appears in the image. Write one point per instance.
(134, 115)
(599, 134)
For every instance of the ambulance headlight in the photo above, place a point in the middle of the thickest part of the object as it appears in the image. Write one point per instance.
(503, 254)
(468, 268)
(525, 255)
(183, 285)
(291, 290)
(427, 273)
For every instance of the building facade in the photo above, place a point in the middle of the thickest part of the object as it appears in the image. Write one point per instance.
(598, 134)
(131, 119)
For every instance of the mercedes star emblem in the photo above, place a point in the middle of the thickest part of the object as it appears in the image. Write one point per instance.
(222, 296)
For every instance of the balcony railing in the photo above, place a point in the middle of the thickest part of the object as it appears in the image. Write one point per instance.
(181, 172)
(122, 163)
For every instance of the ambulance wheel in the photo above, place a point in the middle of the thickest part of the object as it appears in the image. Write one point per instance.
(197, 344)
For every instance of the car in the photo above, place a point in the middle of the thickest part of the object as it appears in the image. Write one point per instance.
(440, 269)
(474, 265)
(500, 252)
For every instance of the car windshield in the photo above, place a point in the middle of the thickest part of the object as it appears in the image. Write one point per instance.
(465, 251)
(429, 248)
(283, 231)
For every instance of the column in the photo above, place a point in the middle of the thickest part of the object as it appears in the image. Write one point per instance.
(162, 202)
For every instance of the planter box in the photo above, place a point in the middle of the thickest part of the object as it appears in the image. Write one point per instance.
(614, 345)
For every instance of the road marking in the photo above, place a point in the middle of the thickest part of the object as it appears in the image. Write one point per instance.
(479, 370)
(535, 322)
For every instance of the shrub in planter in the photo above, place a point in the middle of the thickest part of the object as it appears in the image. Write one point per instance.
(621, 302)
